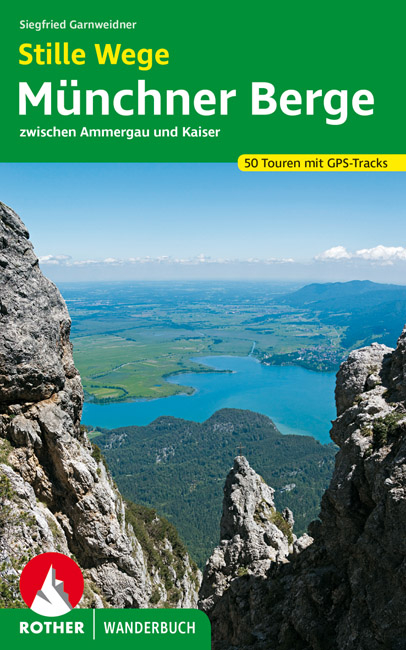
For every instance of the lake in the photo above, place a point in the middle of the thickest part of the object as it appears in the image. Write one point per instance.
(299, 401)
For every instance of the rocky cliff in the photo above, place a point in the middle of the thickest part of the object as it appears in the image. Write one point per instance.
(343, 588)
(253, 535)
(55, 492)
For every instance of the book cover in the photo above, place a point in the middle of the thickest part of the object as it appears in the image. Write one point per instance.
(202, 312)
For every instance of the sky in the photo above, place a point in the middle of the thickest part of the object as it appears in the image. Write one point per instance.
(201, 221)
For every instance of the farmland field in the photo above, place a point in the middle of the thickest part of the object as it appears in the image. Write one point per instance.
(128, 338)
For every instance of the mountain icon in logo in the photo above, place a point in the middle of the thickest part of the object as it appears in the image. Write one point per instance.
(51, 600)
(51, 584)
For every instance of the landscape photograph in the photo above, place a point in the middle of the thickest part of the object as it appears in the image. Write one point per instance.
(202, 391)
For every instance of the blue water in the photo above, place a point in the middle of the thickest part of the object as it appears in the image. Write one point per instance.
(298, 401)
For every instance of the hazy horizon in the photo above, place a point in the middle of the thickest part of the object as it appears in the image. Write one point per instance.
(275, 283)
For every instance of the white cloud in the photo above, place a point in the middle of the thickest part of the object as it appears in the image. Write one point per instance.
(112, 260)
(383, 255)
(54, 259)
(335, 253)
(82, 262)
(273, 260)
(66, 260)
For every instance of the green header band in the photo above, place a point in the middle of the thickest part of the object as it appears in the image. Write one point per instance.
(124, 82)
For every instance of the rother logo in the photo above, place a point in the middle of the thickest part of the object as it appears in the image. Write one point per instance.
(51, 584)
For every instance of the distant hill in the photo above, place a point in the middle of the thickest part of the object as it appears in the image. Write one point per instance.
(342, 296)
(178, 468)
(368, 310)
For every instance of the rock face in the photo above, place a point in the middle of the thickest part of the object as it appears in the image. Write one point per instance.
(345, 587)
(55, 492)
(253, 534)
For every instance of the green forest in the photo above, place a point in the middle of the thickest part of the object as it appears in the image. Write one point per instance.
(179, 468)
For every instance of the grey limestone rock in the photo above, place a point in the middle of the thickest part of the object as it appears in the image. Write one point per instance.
(359, 373)
(56, 495)
(343, 588)
(253, 534)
